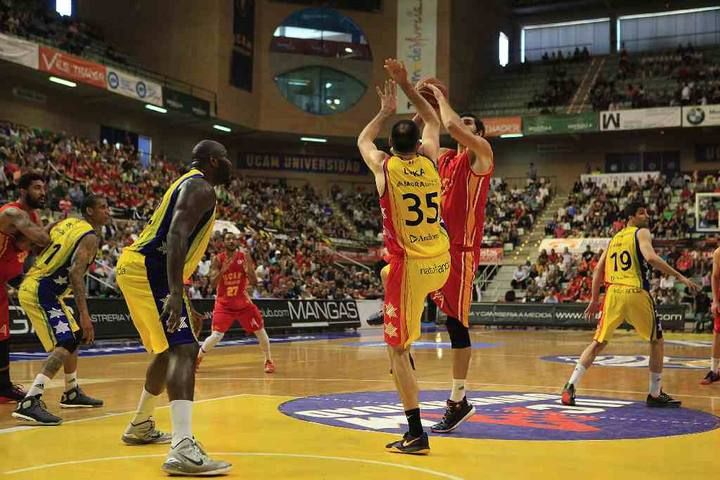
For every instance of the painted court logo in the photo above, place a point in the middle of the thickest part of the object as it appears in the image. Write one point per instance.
(506, 416)
(635, 361)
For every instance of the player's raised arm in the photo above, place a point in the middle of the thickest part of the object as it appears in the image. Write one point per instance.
(645, 242)
(431, 131)
(196, 198)
(20, 220)
(372, 156)
(483, 159)
(597, 282)
(83, 257)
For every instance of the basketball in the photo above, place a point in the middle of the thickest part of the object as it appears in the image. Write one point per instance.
(427, 93)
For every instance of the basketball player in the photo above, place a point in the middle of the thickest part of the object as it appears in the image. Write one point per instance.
(60, 268)
(625, 269)
(417, 244)
(150, 274)
(465, 174)
(714, 374)
(230, 273)
(20, 229)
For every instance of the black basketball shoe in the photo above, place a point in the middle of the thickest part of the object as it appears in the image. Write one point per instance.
(455, 414)
(662, 401)
(568, 395)
(410, 445)
(76, 398)
(32, 409)
(12, 393)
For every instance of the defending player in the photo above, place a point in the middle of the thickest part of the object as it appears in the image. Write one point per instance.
(60, 268)
(714, 374)
(150, 274)
(20, 229)
(230, 273)
(465, 174)
(409, 189)
(625, 269)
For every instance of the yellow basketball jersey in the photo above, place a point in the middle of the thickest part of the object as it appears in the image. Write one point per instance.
(153, 239)
(624, 262)
(411, 208)
(51, 267)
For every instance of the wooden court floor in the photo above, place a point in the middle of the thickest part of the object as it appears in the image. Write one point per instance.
(322, 416)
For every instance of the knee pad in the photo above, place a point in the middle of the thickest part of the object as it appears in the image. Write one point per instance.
(459, 334)
(71, 344)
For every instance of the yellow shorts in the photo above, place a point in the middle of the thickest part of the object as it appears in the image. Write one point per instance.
(52, 320)
(407, 285)
(143, 282)
(630, 304)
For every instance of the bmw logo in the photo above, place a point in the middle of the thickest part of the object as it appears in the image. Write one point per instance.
(113, 80)
(696, 116)
(141, 89)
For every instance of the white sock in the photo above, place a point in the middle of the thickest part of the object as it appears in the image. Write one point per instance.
(264, 342)
(146, 407)
(655, 384)
(71, 381)
(210, 343)
(577, 374)
(38, 386)
(458, 390)
(181, 415)
(715, 364)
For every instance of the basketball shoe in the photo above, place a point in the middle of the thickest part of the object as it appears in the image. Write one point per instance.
(12, 393)
(455, 414)
(76, 398)
(144, 433)
(189, 459)
(662, 401)
(410, 445)
(711, 377)
(568, 395)
(269, 366)
(32, 409)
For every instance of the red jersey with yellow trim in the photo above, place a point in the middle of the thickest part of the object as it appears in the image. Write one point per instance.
(410, 208)
(13, 258)
(464, 195)
(231, 290)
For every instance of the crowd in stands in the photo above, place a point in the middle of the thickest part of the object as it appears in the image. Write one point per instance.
(576, 55)
(594, 210)
(512, 211)
(559, 90)
(693, 81)
(34, 18)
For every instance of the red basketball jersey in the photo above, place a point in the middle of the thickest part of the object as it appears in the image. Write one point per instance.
(12, 258)
(231, 293)
(463, 199)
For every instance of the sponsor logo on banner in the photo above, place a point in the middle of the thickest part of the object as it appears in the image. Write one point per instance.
(416, 43)
(183, 102)
(559, 124)
(72, 67)
(506, 416)
(19, 51)
(490, 256)
(496, 126)
(635, 361)
(640, 119)
(134, 87)
(302, 163)
(701, 115)
(618, 179)
(575, 245)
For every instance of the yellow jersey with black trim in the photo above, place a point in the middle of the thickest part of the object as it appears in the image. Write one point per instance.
(153, 239)
(51, 267)
(410, 208)
(624, 262)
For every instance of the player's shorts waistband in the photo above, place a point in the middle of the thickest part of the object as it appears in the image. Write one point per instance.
(620, 288)
(399, 258)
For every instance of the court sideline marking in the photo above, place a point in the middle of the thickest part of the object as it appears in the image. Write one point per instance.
(244, 454)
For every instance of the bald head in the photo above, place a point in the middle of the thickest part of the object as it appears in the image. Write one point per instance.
(208, 148)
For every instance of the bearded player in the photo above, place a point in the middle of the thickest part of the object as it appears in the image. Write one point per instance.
(231, 272)
(465, 173)
(714, 374)
(20, 230)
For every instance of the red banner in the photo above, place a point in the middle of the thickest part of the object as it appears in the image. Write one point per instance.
(72, 67)
(490, 256)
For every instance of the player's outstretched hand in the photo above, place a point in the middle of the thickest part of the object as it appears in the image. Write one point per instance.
(692, 286)
(388, 97)
(396, 70)
(436, 91)
(172, 311)
(592, 310)
(88, 330)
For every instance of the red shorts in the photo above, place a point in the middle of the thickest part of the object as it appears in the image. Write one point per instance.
(455, 297)
(4, 313)
(716, 325)
(249, 318)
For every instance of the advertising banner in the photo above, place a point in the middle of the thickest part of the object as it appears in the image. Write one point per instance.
(490, 256)
(241, 67)
(72, 67)
(182, 102)
(134, 87)
(560, 124)
(302, 163)
(619, 179)
(672, 317)
(701, 116)
(575, 245)
(19, 51)
(496, 126)
(640, 119)
(416, 43)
